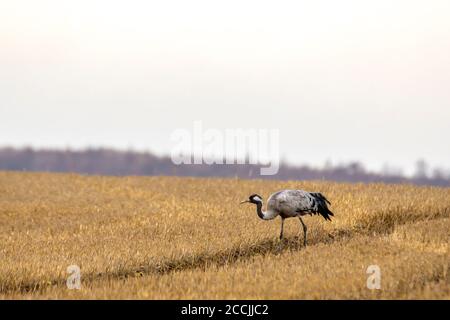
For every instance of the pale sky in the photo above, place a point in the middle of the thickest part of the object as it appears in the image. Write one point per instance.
(342, 80)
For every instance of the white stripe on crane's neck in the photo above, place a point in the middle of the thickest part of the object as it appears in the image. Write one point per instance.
(256, 198)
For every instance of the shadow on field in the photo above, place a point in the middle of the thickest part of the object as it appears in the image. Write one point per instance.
(373, 224)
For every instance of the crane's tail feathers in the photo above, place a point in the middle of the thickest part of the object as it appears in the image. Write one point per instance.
(322, 206)
(326, 213)
(320, 196)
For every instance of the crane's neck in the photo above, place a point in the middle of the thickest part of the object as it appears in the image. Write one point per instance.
(265, 215)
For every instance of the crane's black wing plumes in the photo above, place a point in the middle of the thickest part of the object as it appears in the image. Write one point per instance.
(321, 206)
(320, 196)
(313, 203)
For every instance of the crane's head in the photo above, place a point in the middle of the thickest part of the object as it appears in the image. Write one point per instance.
(254, 198)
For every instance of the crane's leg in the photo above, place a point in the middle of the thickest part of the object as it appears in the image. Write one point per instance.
(282, 226)
(304, 230)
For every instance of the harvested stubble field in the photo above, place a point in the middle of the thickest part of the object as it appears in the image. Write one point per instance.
(172, 238)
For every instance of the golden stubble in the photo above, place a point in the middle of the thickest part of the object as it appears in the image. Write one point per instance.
(173, 238)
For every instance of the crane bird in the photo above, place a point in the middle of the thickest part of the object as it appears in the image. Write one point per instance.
(292, 203)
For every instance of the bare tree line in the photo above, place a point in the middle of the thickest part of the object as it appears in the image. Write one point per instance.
(119, 163)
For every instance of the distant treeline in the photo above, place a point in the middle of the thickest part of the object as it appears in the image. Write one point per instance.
(113, 162)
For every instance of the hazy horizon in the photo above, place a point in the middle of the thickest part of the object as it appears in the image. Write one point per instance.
(349, 81)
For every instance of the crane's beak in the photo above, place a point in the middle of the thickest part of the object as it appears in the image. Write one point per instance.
(246, 201)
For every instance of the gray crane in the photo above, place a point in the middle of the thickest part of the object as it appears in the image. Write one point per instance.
(292, 203)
